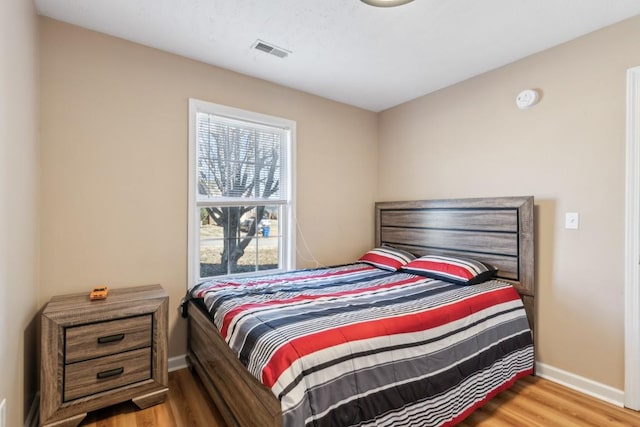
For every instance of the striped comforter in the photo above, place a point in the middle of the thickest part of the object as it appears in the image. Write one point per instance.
(356, 345)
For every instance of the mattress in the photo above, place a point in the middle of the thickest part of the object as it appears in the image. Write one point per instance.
(356, 345)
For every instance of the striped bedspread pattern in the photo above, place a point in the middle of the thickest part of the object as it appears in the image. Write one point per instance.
(357, 345)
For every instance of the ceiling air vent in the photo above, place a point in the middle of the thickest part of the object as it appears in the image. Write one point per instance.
(270, 49)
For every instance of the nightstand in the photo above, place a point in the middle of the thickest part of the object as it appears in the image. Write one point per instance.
(98, 353)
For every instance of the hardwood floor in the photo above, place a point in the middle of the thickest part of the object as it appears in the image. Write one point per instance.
(532, 401)
(187, 404)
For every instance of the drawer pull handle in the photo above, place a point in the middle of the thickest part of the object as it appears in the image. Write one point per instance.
(110, 338)
(110, 373)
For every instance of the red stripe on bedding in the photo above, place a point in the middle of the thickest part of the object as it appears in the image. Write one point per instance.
(447, 268)
(228, 318)
(386, 260)
(438, 316)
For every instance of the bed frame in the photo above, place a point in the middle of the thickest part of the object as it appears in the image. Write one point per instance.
(498, 231)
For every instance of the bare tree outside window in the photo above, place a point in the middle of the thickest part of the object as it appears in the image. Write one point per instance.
(239, 162)
(241, 192)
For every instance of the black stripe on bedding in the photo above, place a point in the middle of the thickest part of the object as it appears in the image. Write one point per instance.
(255, 334)
(325, 283)
(377, 350)
(393, 398)
(467, 395)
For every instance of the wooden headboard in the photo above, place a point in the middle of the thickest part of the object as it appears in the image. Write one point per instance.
(498, 231)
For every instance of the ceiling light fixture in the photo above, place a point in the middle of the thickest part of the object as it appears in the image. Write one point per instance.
(386, 3)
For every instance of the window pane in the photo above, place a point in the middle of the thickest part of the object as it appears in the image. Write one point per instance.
(211, 244)
(247, 261)
(233, 240)
(236, 161)
(268, 252)
(269, 241)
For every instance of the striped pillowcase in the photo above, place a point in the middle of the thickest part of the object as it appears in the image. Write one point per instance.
(387, 258)
(461, 271)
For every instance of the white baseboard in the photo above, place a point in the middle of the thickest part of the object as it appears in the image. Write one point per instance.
(581, 384)
(178, 362)
(33, 417)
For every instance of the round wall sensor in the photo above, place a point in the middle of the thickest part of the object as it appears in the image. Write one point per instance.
(527, 99)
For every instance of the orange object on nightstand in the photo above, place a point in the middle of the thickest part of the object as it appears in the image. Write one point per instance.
(99, 292)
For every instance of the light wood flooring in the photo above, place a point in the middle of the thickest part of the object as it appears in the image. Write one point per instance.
(532, 401)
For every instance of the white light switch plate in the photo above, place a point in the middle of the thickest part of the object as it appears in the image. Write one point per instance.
(572, 220)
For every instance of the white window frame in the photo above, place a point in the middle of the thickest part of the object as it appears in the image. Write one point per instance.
(286, 223)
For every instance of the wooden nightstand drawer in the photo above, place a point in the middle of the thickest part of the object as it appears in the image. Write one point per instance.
(106, 373)
(104, 338)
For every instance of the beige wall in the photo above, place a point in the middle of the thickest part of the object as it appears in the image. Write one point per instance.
(568, 152)
(114, 164)
(18, 207)
(114, 171)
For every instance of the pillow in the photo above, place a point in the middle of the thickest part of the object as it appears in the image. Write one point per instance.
(387, 258)
(462, 271)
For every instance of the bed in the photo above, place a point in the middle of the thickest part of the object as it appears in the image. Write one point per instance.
(347, 351)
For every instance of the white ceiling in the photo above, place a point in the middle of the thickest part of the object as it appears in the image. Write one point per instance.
(344, 50)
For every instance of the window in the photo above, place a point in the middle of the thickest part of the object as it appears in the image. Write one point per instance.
(240, 192)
